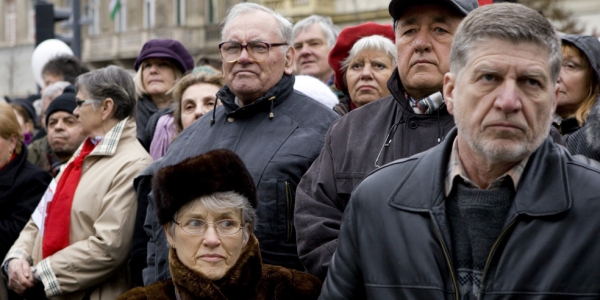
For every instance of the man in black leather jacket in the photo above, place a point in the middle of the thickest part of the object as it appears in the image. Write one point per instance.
(497, 211)
(385, 130)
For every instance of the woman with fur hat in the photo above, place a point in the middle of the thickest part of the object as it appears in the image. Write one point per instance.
(207, 207)
(579, 82)
(363, 60)
(159, 65)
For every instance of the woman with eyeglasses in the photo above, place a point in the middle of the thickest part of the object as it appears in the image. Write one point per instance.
(206, 205)
(78, 245)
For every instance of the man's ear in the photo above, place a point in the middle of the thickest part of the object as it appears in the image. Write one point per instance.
(448, 91)
(290, 54)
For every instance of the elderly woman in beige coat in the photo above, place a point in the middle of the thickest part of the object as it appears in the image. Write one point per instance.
(77, 242)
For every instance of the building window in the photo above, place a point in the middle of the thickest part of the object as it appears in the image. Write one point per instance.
(179, 10)
(94, 15)
(10, 25)
(121, 17)
(212, 11)
(149, 13)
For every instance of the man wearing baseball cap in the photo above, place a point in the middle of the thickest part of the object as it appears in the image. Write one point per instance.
(411, 120)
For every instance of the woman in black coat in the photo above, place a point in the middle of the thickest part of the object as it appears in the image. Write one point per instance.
(22, 184)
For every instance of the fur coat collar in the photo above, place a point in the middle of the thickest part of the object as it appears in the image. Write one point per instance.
(242, 279)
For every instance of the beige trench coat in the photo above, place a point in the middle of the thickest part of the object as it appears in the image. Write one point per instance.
(102, 220)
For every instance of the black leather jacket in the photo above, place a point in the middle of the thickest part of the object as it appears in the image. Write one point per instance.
(394, 241)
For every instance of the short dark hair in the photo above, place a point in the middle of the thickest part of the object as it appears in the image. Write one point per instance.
(67, 66)
(111, 82)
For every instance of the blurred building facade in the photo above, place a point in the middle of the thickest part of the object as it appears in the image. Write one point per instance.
(195, 23)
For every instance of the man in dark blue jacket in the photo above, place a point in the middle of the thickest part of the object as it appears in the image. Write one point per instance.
(277, 131)
(497, 211)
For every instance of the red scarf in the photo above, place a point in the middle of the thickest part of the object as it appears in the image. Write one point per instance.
(58, 215)
(11, 159)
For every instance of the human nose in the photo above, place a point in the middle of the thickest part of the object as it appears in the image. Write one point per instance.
(560, 75)
(305, 49)
(423, 41)
(244, 57)
(59, 126)
(200, 111)
(367, 72)
(76, 110)
(508, 100)
(211, 237)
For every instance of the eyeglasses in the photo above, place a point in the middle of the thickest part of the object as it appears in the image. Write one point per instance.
(259, 51)
(223, 227)
(82, 102)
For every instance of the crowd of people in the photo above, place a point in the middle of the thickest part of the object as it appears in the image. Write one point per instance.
(450, 155)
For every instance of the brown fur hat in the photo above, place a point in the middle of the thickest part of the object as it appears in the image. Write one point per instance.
(218, 170)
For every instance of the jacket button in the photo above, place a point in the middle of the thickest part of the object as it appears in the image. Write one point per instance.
(230, 119)
(413, 124)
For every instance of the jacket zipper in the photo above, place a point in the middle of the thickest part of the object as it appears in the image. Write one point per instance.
(490, 255)
(448, 261)
(288, 206)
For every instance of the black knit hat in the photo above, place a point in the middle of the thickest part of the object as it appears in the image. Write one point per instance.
(63, 102)
(27, 106)
(215, 171)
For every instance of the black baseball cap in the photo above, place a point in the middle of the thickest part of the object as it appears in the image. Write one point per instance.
(462, 6)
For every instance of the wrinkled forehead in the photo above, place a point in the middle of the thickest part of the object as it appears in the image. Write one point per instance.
(433, 12)
(251, 26)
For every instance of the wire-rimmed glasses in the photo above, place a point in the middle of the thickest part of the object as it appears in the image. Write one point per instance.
(199, 227)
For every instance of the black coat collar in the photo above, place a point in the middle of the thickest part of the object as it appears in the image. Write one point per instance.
(543, 189)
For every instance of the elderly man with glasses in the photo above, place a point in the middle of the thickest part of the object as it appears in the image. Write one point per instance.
(277, 131)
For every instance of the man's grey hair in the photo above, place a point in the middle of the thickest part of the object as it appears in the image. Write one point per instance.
(373, 43)
(329, 29)
(110, 82)
(55, 89)
(510, 22)
(223, 201)
(284, 27)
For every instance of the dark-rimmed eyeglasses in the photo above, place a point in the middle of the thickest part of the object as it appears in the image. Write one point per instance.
(258, 51)
(199, 227)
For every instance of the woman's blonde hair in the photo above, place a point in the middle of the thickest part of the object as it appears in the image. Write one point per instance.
(9, 125)
(183, 84)
(139, 82)
(593, 85)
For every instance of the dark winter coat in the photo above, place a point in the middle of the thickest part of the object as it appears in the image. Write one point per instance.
(395, 241)
(351, 148)
(22, 185)
(145, 108)
(277, 151)
(248, 279)
(586, 141)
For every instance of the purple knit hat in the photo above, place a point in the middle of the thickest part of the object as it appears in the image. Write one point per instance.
(166, 48)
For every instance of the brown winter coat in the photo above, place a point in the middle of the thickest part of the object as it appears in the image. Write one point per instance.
(248, 279)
